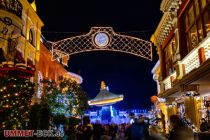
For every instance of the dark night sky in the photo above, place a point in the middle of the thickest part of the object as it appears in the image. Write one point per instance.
(123, 73)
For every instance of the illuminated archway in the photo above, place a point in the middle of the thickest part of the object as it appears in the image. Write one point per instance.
(101, 39)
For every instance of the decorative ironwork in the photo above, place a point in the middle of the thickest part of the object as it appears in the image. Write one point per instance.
(13, 6)
(102, 39)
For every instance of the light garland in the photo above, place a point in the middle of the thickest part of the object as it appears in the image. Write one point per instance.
(63, 98)
(15, 101)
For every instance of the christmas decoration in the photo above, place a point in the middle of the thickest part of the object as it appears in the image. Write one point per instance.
(15, 94)
(154, 99)
(66, 98)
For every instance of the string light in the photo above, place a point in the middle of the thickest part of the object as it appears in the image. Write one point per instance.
(25, 92)
(63, 97)
(68, 32)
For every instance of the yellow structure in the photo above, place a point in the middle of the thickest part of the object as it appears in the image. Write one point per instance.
(103, 85)
(182, 73)
(21, 48)
(105, 97)
(20, 43)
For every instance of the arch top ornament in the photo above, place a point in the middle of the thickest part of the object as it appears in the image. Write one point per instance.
(101, 39)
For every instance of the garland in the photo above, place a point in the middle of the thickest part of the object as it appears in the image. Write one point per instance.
(65, 98)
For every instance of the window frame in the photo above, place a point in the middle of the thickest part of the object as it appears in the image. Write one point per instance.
(170, 58)
(31, 37)
(198, 19)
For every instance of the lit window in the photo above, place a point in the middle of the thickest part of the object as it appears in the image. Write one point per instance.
(169, 54)
(197, 23)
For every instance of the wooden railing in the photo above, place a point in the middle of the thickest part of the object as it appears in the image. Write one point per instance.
(190, 62)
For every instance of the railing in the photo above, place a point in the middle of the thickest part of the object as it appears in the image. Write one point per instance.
(13, 6)
(207, 48)
(168, 81)
(191, 61)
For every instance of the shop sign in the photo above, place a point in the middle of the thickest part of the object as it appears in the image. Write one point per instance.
(187, 88)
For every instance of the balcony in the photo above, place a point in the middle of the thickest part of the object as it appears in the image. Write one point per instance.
(197, 56)
(189, 63)
(168, 81)
(12, 61)
(12, 6)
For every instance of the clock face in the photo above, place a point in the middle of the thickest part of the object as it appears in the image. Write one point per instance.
(101, 39)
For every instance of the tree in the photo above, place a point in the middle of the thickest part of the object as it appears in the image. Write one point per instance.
(65, 97)
(15, 94)
(34, 117)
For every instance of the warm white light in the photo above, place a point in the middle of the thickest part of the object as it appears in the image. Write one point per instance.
(108, 101)
(101, 39)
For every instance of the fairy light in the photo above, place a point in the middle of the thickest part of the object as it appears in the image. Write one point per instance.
(15, 101)
(143, 48)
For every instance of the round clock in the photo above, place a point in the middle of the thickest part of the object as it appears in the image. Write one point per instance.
(101, 39)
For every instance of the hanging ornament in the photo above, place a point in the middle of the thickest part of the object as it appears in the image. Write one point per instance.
(154, 99)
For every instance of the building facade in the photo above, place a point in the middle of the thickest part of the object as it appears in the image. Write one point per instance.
(20, 36)
(182, 73)
(22, 49)
(52, 69)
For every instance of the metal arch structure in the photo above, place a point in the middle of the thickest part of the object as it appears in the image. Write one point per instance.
(113, 42)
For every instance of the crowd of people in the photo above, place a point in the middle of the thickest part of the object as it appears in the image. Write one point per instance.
(141, 129)
(205, 126)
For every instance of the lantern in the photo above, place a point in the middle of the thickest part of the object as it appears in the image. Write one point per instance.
(154, 99)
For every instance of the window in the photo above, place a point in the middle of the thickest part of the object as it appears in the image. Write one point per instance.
(207, 20)
(31, 39)
(169, 53)
(203, 4)
(197, 23)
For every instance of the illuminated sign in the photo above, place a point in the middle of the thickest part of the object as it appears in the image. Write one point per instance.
(101, 39)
